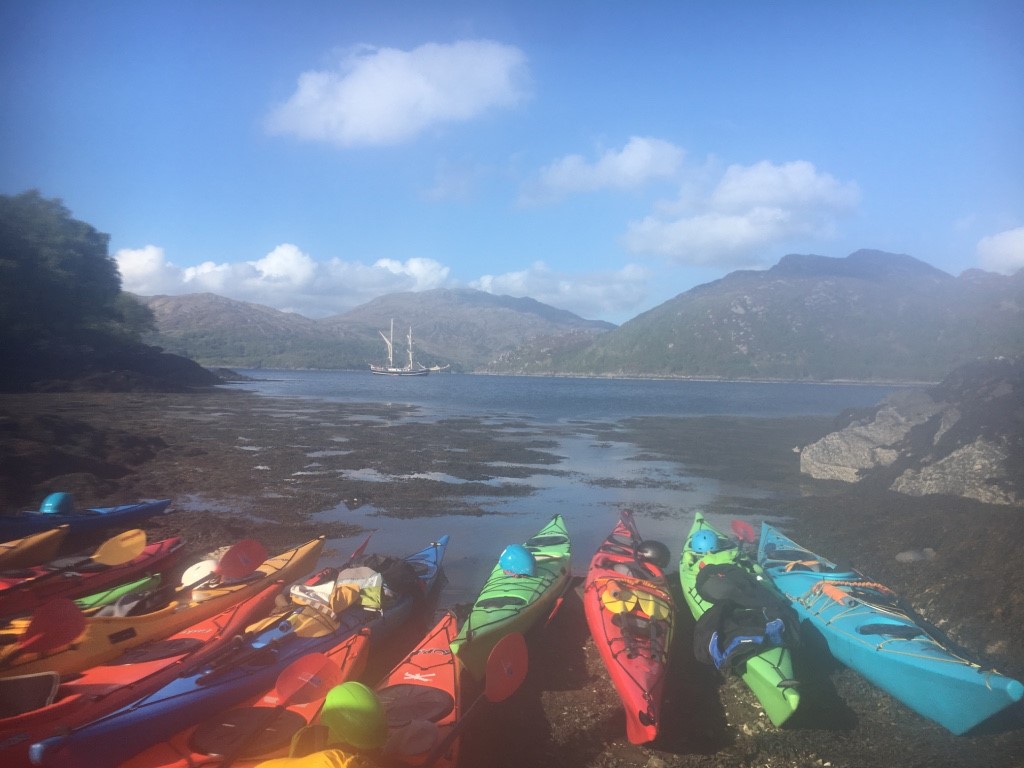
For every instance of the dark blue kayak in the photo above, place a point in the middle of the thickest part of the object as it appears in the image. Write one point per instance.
(81, 521)
(249, 670)
(868, 628)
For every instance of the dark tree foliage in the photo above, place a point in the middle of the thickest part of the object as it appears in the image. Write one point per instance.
(63, 316)
(56, 276)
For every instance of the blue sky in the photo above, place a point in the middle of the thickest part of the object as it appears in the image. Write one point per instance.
(600, 157)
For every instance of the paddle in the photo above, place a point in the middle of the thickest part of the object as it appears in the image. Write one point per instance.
(240, 560)
(116, 550)
(358, 551)
(744, 531)
(54, 624)
(305, 680)
(503, 674)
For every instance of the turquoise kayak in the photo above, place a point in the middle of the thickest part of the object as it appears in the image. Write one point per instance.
(868, 628)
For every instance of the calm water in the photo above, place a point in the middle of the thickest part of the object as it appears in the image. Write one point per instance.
(600, 476)
(559, 399)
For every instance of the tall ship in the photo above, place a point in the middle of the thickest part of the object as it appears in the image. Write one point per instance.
(411, 368)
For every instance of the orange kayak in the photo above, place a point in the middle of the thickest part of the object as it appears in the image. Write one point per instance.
(107, 637)
(268, 722)
(106, 688)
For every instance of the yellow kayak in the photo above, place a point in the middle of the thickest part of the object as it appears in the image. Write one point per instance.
(33, 549)
(107, 637)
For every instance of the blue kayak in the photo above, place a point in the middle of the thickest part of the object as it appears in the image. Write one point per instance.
(868, 628)
(250, 669)
(80, 521)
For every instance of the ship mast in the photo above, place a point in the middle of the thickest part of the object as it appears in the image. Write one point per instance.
(389, 341)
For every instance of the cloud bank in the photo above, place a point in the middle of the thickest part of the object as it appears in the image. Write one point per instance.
(750, 210)
(1003, 252)
(286, 279)
(289, 280)
(380, 96)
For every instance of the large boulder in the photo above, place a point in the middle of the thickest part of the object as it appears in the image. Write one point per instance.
(963, 437)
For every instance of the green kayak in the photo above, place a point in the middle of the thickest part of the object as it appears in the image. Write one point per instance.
(515, 602)
(94, 603)
(769, 674)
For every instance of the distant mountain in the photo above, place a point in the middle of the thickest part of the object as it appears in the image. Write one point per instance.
(217, 331)
(464, 327)
(869, 316)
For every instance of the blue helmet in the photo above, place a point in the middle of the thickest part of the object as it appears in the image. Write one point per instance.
(517, 559)
(703, 541)
(57, 504)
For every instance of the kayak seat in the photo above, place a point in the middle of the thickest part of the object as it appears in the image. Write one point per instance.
(634, 625)
(24, 693)
(247, 731)
(902, 631)
(405, 702)
(76, 564)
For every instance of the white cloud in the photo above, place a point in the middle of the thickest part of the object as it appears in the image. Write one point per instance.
(286, 264)
(145, 271)
(1002, 252)
(750, 211)
(382, 96)
(286, 279)
(590, 295)
(640, 161)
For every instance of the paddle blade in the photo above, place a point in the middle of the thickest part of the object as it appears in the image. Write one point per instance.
(198, 572)
(506, 667)
(122, 548)
(307, 679)
(54, 624)
(744, 531)
(242, 559)
(360, 549)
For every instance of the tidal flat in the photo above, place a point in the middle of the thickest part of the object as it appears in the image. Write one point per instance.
(237, 464)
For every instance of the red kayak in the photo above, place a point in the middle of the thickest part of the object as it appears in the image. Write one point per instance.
(106, 688)
(263, 727)
(24, 590)
(421, 699)
(631, 615)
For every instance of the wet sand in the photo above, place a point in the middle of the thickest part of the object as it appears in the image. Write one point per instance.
(241, 465)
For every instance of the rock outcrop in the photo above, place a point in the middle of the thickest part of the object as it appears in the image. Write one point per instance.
(963, 437)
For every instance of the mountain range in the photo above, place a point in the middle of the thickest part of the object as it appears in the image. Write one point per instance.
(868, 316)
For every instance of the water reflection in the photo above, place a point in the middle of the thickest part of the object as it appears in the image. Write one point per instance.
(598, 478)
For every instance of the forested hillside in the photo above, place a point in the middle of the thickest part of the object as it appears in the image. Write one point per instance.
(870, 316)
(64, 321)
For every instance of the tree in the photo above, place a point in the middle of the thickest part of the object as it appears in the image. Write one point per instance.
(56, 276)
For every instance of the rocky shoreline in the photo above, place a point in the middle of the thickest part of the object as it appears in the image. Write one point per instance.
(110, 448)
